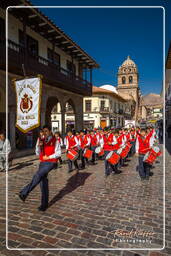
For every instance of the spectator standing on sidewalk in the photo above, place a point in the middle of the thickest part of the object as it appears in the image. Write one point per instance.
(5, 148)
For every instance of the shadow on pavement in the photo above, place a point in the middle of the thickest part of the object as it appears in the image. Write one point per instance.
(20, 166)
(73, 182)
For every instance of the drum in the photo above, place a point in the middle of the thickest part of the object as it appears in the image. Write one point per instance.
(151, 155)
(113, 158)
(128, 144)
(87, 153)
(125, 152)
(119, 151)
(99, 151)
(72, 155)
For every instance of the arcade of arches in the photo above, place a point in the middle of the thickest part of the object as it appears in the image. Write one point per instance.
(51, 97)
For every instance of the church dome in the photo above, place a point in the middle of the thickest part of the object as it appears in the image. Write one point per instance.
(128, 62)
(128, 66)
(109, 88)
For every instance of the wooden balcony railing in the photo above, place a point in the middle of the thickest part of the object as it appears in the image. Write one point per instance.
(53, 74)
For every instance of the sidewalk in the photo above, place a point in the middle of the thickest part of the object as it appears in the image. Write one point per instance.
(16, 153)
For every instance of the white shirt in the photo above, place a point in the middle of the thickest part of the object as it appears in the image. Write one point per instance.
(6, 148)
(66, 142)
(151, 143)
(57, 149)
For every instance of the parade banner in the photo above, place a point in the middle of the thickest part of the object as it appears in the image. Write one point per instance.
(28, 97)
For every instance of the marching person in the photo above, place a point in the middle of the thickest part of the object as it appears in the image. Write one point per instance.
(59, 139)
(71, 143)
(5, 148)
(109, 144)
(132, 141)
(84, 142)
(48, 150)
(143, 145)
(94, 142)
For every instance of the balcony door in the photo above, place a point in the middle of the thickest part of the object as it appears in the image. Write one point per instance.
(71, 68)
(32, 44)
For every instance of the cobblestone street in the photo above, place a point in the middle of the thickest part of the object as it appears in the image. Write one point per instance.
(86, 211)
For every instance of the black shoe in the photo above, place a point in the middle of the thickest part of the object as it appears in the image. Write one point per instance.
(118, 172)
(147, 178)
(70, 170)
(22, 197)
(92, 163)
(81, 167)
(143, 178)
(151, 174)
(42, 208)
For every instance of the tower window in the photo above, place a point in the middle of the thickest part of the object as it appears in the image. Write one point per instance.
(123, 80)
(130, 79)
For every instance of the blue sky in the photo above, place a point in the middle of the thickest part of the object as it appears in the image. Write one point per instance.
(109, 35)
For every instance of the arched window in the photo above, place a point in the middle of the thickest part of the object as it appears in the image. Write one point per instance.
(123, 80)
(130, 79)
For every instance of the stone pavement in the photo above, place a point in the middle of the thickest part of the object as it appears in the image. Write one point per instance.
(86, 211)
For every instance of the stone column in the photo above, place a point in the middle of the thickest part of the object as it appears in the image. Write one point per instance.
(42, 117)
(78, 121)
(11, 129)
(63, 121)
(79, 115)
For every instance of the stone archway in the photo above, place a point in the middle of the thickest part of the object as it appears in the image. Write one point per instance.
(69, 115)
(53, 113)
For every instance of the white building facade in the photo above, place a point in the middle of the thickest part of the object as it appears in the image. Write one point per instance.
(103, 109)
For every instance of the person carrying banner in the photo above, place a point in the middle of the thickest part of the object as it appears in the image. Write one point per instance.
(48, 150)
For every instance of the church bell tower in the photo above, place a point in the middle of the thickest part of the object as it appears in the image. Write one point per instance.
(128, 82)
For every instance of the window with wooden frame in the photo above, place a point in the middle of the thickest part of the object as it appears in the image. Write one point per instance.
(71, 67)
(88, 105)
(32, 44)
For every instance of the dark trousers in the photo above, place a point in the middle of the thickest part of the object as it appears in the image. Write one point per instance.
(132, 151)
(109, 168)
(94, 154)
(143, 168)
(70, 164)
(121, 162)
(40, 177)
(83, 159)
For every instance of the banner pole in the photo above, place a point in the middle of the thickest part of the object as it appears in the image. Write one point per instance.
(23, 68)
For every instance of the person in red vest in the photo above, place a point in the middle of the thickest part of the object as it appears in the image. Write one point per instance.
(59, 139)
(48, 150)
(71, 142)
(118, 142)
(94, 143)
(143, 145)
(84, 142)
(132, 141)
(109, 144)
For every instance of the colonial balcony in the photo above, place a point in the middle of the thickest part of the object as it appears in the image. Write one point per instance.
(104, 110)
(98, 110)
(53, 74)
